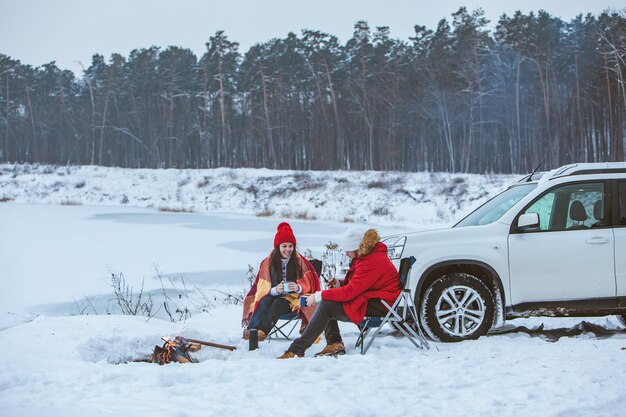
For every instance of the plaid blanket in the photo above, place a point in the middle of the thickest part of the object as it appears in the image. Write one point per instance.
(309, 282)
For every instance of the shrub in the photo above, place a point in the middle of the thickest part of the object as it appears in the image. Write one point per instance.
(70, 203)
(305, 216)
(204, 182)
(380, 211)
(175, 210)
(264, 213)
(376, 184)
(130, 303)
(252, 190)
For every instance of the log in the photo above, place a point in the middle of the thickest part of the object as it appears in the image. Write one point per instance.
(203, 343)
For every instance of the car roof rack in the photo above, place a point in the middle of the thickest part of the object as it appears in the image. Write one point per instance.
(586, 169)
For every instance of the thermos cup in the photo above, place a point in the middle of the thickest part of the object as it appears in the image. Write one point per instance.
(253, 341)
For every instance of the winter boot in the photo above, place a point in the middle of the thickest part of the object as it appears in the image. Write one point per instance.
(289, 354)
(332, 349)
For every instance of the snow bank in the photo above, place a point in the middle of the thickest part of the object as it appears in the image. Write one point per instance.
(70, 366)
(386, 198)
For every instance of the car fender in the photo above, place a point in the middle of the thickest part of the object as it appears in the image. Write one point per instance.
(483, 246)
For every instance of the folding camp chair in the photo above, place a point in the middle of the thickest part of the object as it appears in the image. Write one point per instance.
(285, 329)
(402, 310)
(287, 326)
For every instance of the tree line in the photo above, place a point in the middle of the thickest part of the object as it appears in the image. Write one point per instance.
(463, 98)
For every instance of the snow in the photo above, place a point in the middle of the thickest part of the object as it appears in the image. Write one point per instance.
(56, 263)
(69, 252)
(415, 200)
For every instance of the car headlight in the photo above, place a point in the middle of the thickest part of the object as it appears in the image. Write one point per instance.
(395, 246)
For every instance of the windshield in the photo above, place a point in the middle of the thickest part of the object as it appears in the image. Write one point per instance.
(493, 209)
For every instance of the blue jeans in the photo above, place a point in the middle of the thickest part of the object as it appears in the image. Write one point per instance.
(268, 311)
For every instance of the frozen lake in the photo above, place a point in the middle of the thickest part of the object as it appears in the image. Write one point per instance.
(53, 256)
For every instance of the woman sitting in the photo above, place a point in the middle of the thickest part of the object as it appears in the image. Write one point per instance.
(283, 276)
(371, 277)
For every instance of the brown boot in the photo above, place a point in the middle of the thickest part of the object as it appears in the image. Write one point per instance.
(289, 354)
(333, 349)
(261, 335)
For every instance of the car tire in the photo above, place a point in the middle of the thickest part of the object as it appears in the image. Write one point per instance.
(457, 307)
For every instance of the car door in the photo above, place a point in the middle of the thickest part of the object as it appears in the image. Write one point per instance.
(620, 242)
(571, 256)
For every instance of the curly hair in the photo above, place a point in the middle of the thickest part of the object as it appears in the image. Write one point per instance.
(368, 243)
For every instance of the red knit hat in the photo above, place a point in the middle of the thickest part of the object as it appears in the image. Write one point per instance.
(284, 234)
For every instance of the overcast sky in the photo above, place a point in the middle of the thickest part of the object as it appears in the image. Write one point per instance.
(71, 31)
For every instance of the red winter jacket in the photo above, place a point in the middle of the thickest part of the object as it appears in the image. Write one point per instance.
(369, 276)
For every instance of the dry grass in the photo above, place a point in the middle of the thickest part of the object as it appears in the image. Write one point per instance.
(301, 215)
(264, 213)
(305, 216)
(175, 210)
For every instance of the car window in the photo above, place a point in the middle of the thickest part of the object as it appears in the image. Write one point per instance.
(622, 203)
(493, 209)
(570, 207)
(543, 207)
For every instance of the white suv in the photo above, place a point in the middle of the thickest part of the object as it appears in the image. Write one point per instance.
(554, 246)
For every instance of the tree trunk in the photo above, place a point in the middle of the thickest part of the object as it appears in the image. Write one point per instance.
(270, 136)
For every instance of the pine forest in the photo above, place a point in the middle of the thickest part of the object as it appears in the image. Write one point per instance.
(466, 96)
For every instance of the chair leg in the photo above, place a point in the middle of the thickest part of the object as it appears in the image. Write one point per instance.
(378, 329)
(292, 328)
(362, 335)
(363, 331)
(412, 310)
(279, 329)
(404, 327)
(415, 336)
(410, 334)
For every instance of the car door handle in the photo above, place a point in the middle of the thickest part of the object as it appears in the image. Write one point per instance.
(597, 241)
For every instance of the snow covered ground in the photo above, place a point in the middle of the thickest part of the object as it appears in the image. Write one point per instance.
(416, 200)
(65, 356)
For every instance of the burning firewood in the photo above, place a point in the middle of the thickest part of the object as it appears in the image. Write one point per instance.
(177, 350)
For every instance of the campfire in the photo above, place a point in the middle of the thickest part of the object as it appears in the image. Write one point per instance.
(177, 349)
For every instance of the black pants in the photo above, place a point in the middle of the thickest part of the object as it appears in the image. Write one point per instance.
(324, 320)
(270, 308)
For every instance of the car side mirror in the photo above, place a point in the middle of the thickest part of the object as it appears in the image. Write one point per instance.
(528, 222)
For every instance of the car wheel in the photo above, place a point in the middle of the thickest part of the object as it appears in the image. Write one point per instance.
(457, 307)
